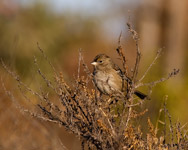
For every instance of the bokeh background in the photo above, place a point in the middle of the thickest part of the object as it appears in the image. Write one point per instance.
(62, 27)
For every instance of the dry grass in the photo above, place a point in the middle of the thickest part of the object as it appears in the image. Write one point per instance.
(96, 120)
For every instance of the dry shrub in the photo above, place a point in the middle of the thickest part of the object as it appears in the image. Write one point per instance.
(103, 122)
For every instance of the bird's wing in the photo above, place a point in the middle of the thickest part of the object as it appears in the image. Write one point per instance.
(116, 67)
(120, 72)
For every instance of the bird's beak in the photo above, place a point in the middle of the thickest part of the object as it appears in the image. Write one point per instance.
(94, 63)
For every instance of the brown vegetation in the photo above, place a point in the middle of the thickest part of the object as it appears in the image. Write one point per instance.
(98, 121)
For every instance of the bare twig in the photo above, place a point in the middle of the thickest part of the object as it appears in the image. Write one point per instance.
(165, 114)
(122, 56)
(49, 62)
(150, 66)
(105, 115)
(133, 105)
(138, 56)
(172, 74)
(16, 77)
(48, 82)
(79, 62)
(63, 146)
(171, 127)
(129, 113)
(86, 69)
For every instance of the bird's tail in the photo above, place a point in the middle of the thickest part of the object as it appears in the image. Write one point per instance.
(140, 94)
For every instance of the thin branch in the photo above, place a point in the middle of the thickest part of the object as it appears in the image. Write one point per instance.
(79, 62)
(44, 55)
(172, 74)
(133, 105)
(138, 56)
(105, 115)
(129, 112)
(119, 39)
(165, 112)
(48, 82)
(63, 146)
(150, 66)
(122, 56)
(171, 127)
(86, 69)
(16, 77)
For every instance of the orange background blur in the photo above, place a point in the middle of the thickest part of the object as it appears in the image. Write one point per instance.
(62, 28)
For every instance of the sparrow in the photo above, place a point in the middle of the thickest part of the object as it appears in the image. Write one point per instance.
(108, 77)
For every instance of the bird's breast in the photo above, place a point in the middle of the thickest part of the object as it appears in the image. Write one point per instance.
(108, 83)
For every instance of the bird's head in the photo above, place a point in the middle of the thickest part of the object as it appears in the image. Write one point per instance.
(102, 61)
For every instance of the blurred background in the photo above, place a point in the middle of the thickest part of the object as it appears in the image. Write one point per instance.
(62, 27)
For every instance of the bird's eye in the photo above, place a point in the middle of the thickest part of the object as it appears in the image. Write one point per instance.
(100, 61)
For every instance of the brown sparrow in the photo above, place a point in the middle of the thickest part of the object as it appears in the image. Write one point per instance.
(108, 77)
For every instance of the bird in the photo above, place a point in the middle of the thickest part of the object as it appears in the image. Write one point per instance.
(108, 77)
